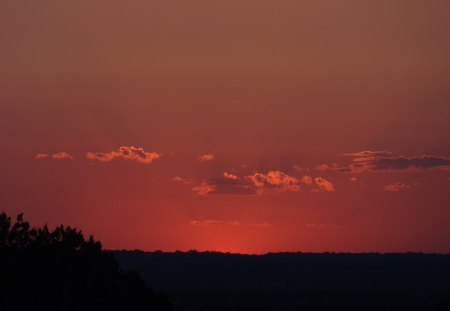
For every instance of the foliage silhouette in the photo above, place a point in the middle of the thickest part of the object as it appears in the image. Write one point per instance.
(60, 270)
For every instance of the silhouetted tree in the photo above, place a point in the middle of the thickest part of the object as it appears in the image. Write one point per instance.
(60, 270)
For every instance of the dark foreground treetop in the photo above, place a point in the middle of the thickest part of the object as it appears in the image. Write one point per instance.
(42, 269)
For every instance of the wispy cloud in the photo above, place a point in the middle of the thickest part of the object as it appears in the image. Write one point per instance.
(225, 186)
(215, 222)
(301, 169)
(230, 223)
(186, 181)
(368, 153)
(63, 155)
(205, 157)
(397, 187)
(204, 188)
(42, 156)
(128, 153)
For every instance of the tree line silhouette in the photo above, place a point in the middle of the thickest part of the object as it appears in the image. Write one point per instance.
(43, 269)
(61, 270)
(204, 281)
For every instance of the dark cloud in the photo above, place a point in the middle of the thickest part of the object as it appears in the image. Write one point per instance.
(379, 161)
(422, 162)
(368, 153)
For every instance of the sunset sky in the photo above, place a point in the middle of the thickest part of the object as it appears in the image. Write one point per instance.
(246, 126)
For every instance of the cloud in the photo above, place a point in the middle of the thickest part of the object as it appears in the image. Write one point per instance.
(206, 157)
(63, 155)
(232, 223)
(128, 153)
(323, 167)
(256, 184)
(307, 180)
(328, 167)
(214, 222)
(42, 156)
(368, 153)
(384, 161)
(275, 180)
(324, 184)
(225, 186)
(416, 163)
(396, 187)
(229, 176)
(204, 188)
(186, 181)
(300, 169)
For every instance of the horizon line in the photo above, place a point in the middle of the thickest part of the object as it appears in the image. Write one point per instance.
(280, 252)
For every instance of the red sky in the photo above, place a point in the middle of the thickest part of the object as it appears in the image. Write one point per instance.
(229, 125)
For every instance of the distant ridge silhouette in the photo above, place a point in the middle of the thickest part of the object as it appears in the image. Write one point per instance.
(296, 281)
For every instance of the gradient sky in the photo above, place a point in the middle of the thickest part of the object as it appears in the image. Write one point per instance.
(242, 125)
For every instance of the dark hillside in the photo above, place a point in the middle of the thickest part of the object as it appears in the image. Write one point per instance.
(292, 281)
